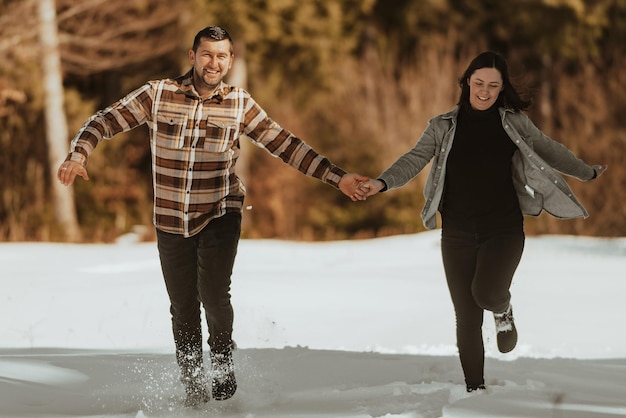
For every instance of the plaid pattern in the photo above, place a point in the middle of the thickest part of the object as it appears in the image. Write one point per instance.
(195, 146)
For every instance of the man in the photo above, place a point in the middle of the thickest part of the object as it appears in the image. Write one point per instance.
(195, 124)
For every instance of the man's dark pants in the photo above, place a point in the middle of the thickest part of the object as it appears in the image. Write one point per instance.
(197, 270)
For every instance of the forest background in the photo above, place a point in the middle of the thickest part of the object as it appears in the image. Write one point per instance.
(356, 79)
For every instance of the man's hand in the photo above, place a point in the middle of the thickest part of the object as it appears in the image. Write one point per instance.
(68, 172)
(351, 185)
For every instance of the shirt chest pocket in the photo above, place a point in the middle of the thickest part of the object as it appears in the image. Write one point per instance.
(171, 130)
(220, 134)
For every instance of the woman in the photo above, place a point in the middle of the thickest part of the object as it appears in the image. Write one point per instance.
(491, 166)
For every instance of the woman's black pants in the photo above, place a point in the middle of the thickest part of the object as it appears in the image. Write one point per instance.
(479, 270)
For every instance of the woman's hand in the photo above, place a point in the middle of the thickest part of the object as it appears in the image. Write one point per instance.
(371, 187)
(599, 169)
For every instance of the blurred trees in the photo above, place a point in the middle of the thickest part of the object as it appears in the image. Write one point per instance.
(357, 79)
(94, 37)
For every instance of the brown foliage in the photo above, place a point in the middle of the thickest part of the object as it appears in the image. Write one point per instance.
(119, 33)
(357, 80)
(587, 103)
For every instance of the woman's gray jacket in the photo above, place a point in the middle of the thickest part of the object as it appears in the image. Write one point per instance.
(535, 164)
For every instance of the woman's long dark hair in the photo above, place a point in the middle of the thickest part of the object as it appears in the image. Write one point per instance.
(508, 97)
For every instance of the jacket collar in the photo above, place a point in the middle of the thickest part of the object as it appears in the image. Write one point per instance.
(451, 114)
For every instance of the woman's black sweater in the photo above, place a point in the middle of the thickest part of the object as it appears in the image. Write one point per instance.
(479, 193)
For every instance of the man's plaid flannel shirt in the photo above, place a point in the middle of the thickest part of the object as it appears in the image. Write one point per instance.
(195, 146)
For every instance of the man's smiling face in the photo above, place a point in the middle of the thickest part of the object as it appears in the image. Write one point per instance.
(211, 62)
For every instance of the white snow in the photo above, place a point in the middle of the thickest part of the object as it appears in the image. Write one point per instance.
(360, 328)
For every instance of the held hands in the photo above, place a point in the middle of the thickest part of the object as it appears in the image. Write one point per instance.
(371, 187)
(358, 187)
(68, 172)
(350, 185)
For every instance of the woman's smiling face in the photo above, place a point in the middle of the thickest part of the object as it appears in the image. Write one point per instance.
(485, 85)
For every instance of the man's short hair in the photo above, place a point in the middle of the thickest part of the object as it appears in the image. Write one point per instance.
(215, 33)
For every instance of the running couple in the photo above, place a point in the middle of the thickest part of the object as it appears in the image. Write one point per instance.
(491, 166)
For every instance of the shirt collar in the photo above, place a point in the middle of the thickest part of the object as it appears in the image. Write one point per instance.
(185, 83)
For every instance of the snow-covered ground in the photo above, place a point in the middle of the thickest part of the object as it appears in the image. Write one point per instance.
(338, 329)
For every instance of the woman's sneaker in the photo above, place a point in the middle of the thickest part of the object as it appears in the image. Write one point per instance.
(223, 376)
(475, 388)
(506, 331)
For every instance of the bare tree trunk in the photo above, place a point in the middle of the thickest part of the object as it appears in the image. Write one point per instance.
(238, 76)
(56, 124)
